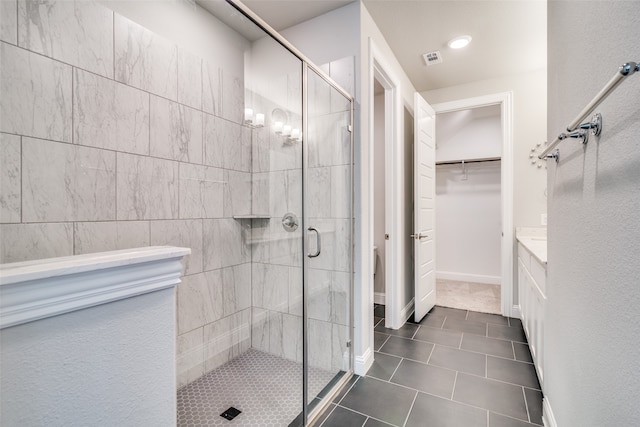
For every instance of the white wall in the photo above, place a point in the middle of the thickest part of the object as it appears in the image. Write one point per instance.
(405, 92)
(592, 356)
(468, 214)
(468, 220)
(467, 139)
(379, 205)
(529, 128)
(97, 366)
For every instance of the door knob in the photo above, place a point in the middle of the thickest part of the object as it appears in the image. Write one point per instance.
(419, 236)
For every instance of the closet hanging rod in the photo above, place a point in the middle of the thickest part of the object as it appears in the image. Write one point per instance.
(623, 72)
(456, 162)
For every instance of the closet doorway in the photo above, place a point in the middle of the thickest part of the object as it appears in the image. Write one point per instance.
(474, 205)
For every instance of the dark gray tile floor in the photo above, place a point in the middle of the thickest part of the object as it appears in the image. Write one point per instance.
(456, 368)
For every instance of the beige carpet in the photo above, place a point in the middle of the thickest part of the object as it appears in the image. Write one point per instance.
(468, 296)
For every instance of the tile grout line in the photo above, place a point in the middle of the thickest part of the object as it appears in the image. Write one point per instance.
(526, 406)
(415, 397)
(396, 370)
(455, 381)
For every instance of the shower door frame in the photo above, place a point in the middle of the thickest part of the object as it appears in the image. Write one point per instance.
(309, 417)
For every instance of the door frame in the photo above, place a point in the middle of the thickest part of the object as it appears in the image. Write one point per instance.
(380, 71)
(505, 101)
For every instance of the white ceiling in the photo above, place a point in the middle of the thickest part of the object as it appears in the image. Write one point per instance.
(281, 14)
(509, 36)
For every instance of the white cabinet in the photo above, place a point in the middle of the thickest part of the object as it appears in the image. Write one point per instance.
(532, 275)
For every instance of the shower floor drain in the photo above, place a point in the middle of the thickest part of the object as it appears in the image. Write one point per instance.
(231, 413)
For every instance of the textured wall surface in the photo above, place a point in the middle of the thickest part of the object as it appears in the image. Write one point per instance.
(92, 367)
(592, 326)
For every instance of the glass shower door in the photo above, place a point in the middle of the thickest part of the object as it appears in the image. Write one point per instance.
(328, 219)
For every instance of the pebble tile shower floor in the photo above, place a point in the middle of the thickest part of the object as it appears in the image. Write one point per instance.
(266, 388)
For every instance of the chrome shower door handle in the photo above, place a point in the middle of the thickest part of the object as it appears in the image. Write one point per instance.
(318, 243)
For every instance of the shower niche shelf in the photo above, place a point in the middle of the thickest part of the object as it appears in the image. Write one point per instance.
(256, 216)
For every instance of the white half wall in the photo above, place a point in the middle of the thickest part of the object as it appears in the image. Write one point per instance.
(592, 356)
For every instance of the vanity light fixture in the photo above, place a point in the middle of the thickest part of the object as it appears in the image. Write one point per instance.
(459, 42)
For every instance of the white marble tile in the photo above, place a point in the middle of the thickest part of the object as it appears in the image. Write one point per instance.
(212, 88)
(336, 253)
(276, 333)
(236, 288)
(340, 356)
(295, 290)
(260, 185)
(9, 21)
(25, 242)
(176, 131)
(282, 155)
(329, 140)
(294, 92)
(292, 337)
(108, 114)
(225, 243)
(147, 188)
(319, 92)
(260, 149)
(92, 237)
(196, 305)
(285, 192)
(63, 182)
(270, 287)
(36, 95)
(181, 233)
(320, 339)
(319, 192)
(201, 191)
(270, 243)
(340, 297)
(79, 33)
(260, 329)
(226, 144)
(319, 294)
(10, 178)
(213, 295)
(341, 192)
(227, 339)
(237, 193)
(189, 79)
(189, 357)
(343, 72)
(144, 59)
(233, 96)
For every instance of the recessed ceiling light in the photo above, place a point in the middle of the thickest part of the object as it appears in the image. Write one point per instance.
(459, 42)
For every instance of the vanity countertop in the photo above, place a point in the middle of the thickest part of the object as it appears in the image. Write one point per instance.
(535, 241)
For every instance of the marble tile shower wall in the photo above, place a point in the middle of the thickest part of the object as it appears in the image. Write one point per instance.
(113, 137)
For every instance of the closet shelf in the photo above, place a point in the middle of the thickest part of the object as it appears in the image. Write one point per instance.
(479, 160)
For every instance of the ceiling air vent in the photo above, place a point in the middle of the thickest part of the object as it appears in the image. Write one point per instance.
(432, 58)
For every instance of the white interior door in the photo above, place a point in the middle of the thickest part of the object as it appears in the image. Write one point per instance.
(424, 206)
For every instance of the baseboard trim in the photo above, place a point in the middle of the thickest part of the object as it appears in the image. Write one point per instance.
(515, 312)
(547, 414)
(407, 311)
(362, 363)
(464, 277)
(379, 298)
